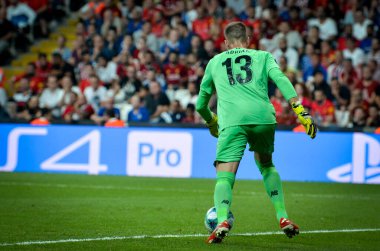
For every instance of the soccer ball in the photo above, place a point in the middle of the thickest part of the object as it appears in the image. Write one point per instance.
(211, 220)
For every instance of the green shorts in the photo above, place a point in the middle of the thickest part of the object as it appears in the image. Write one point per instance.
(233, 140)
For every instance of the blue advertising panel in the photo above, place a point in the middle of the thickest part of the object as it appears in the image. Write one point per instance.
(182, 152)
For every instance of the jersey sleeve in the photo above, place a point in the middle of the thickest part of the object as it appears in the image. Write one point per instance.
(283, 83)
(206, 90)
(270, 63)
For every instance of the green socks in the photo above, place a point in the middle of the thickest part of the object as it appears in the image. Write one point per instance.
(223, 194)
(272, 183)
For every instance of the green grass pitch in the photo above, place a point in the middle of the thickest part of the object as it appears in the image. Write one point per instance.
(138, 213)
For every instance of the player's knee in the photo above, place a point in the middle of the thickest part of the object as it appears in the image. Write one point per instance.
(265, 167)
(226, 177)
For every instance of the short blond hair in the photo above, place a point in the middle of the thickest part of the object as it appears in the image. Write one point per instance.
(236, 31)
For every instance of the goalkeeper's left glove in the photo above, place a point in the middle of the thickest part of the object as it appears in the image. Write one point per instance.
(212, 125)
(305, 119)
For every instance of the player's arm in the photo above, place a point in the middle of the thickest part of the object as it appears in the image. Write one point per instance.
(289, 93)
(206, 90)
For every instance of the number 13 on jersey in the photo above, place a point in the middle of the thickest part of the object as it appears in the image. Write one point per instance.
(244, 75)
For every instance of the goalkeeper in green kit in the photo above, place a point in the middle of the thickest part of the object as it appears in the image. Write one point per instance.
(245, 115)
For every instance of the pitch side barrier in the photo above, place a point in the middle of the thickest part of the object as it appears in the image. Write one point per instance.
(349, 157)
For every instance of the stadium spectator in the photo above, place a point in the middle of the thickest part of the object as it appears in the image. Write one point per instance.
(110, 21)
(293, 38)
(175, 73)
(157, 102)
(327, 26)
(135, 21)
(366, 43)
(80, 110)
(296, 22)
(360, 25)
(102, 115)
(141, 47)
(36, 83)
(354, 53)
(313, 68)
(68, 90)
(116, 94)
(319, 83)
(367, 85)
(41, 26)
(327, 54)
(283, 63)
(359, 117)
(342, 116)
(100, 49)
(22, 17)
(52, 96)
(322, 109)
(147, 63)
(374, 53)
(152, 42)
(139, 113)
(357, 101)
(132, 84)
(290, 53)
(11, 109)
(106, 70)
(43, 67)
(80, 54)
(189, 114)
(61, 68)
(305, 58)
(375, 69)
(373, 119)
(202, 24)
(349, 75)
(176, 111)
(171, 45)
(95, 93)
(33, 107)
(7, 33)
(62, 48)
(313, 38)
(303, 95)
(340, 92)
(335, 69)
(342, 40)
(23, 93)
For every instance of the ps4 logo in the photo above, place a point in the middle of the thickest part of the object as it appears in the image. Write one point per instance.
(365, 166)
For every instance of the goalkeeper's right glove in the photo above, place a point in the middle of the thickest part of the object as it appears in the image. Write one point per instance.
(305, 119)
(212, 125)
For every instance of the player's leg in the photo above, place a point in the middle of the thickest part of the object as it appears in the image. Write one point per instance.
(230, 149)
(272, 183)
(225, 179)
(261, 141)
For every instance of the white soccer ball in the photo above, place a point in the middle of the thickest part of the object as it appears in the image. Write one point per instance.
(211, 219)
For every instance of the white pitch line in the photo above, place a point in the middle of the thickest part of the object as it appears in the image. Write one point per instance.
(157, 189)
(112, 238)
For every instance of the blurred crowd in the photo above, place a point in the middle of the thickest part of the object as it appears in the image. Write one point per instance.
(143, 61)
(23, 22)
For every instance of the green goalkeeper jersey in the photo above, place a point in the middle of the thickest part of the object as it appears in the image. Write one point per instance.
(240, 78)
